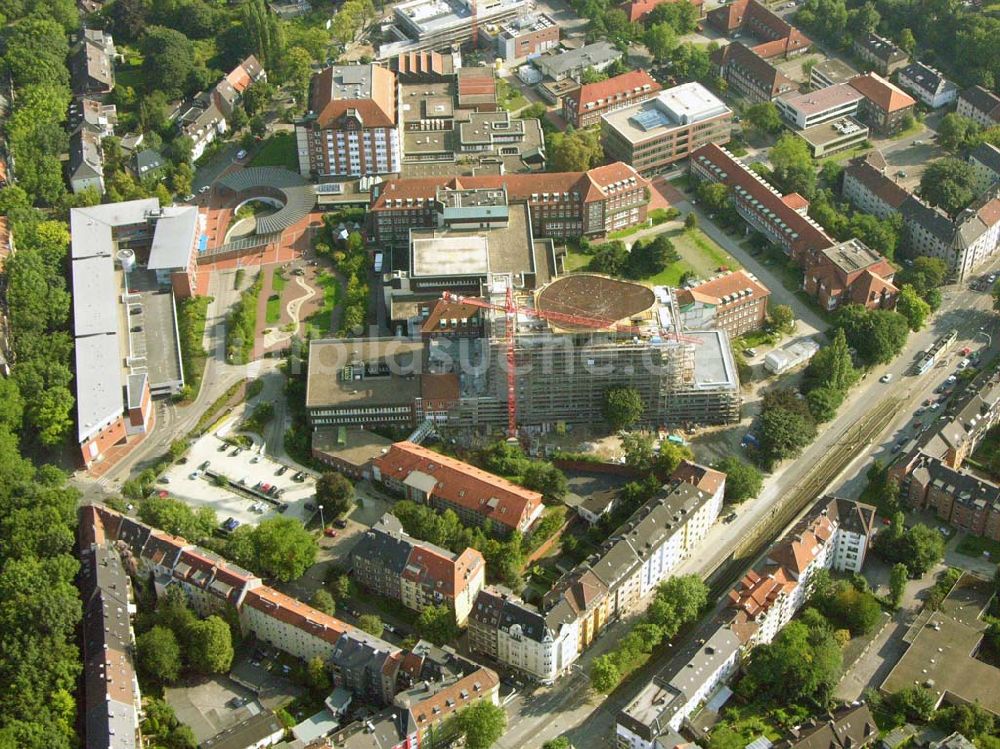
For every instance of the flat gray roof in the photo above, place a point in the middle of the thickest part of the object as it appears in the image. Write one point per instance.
(91, 227)
(680, 106)
(454, 254)
(590, 55)
(331, 381)
(94, 296)
(713, 360)
(98, 382)
(174, 238)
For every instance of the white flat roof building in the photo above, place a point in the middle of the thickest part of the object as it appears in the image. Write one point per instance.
(451, 256)
(676, 107)
(816, 107)
(434, 24)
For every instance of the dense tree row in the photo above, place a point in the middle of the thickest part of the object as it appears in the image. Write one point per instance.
(509, 460)
(919, 547)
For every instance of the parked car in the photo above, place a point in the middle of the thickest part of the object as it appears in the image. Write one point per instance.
(223, 447)
(330, 532)
(202, 190)
(751, 352)
(241, 154)
(194, 475)
(340, 523)
(163, 480)
(887, 377)
(282, 507)
(310, 507)
(281, 471)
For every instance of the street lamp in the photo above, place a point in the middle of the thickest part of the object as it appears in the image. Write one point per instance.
(321, 517)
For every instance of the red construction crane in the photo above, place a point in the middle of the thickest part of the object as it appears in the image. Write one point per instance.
(511, 310)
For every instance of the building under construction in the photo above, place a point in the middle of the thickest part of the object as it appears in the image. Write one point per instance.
(572, 340)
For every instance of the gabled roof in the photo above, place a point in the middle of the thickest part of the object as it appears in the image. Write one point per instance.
(461, 484)
(877, 183)
(621, 86)
(880, 47)
(849, 728)
(988, 155)
(924, 77)
(982, 100)
(750, 63)
(881, 93)
(637, 9)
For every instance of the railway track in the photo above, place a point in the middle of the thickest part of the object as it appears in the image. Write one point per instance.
(805, 493)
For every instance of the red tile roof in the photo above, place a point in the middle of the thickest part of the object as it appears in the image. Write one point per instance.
(244, 74)
(783, 38)
(447, 310)
(795, 201)
(990, 213)
(753, 65)
(637, 9)
(707, 479)
(810, 235)
(299, 615)
(462, 484)
(881, 93)
(464, 692)
(377, 111)
(714, 289)
(611, 88)
(591, 185)
(441, 571)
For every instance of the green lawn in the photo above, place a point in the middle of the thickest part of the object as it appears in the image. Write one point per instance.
(278, 150)
(277, 282)
(319, 322)
(273, 312)
(974, 546)
(845, 156)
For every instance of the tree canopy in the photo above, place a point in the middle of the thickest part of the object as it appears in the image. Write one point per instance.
(623, 407)
(949, 184)
(336, 493)
(877, 335)
(743, 481)
(800, 663)
(482, 724)
(278, 547)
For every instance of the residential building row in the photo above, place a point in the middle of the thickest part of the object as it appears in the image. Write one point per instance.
(880, 54)
(834, 273)
(588, 104)
(418, 574)
(933, 475)
(980, 105)
(204, 116)
(543, 642)
(749, 75)
(835, 534)
(963, 243)
(445, 483)
(419, 688)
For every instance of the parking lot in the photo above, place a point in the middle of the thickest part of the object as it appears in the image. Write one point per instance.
(194, 483)
(211, 705)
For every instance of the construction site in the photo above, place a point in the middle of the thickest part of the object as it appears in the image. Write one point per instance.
(530, 360)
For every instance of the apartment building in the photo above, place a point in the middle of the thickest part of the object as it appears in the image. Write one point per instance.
(850, 727)
(560, 204)
(417, 573)
(664, 704)
(652, 135)
(774, 36)
(784, 220)
(879, 53)
(964, 243)
(885, 106)
(834, 535)
(735, 302)
(111, 698)
(802, 111)
(518, 635)
(980, 105)
(867, 187)
(447, 483)
(586, 105)
(351, 129)
(985, 162)
(749, 75)
(92, 63)
(850, 273)
(639, 9)
(85, 168)
(928, 84)
(572, 63)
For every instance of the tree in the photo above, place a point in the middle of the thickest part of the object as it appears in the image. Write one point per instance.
(482, 724)
(919, 547)
(319, 676)
(863, 20)
(159, 654)
(764, 117)
(831, 367)
(714, 196)
(264, 32)
(560, 742)
(691, 221)
(576, 151)
(898, 576)
(915, 702)
(278, 547)
(855, 610)
(541, 476)
(800, 663)
(949, 183)
(786, 426)
(824, 402)
(907, 41)
(35, 53)
(877, 335)
(297, 69)
(638, 450)
(783, 318)
(912, 307)
(168, 60)
(210, 646)
(323, 601)
(336, 493)
(678, 601)
(437, 624)
(371, 624)
(623, 407)
(604, 674)
(743, 481)
(668, 458)
(793, 166)
(177, 518)
(957, 132)
(661, 41)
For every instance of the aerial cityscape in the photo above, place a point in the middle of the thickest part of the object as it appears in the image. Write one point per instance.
(528, 374)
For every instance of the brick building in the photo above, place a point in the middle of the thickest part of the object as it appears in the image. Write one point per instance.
(735, 302)
(885, 106)
(850, 273)
(585, 106)
(750, 75)
(775, 37)
(879, 53)
(351, 128)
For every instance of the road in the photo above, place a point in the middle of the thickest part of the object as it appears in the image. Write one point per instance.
(589, 718)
